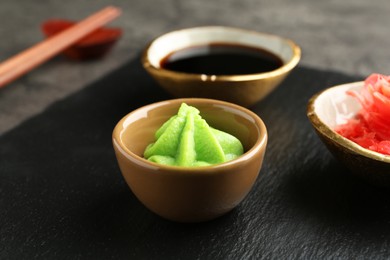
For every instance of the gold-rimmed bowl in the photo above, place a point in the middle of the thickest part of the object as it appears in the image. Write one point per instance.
(332, 107)
(244, 90)
(190, 194)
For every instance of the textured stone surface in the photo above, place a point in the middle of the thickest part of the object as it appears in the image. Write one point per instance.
(62, 195)
(349, 36)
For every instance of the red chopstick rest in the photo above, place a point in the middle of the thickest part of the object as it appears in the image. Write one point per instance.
(93, 46)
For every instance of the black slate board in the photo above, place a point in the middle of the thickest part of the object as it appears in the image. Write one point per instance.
(62, 195)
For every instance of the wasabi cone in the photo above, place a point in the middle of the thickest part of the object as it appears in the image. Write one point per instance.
(187, 140)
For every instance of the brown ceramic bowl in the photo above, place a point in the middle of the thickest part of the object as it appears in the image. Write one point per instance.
(190, 194)
(332, 107)
(244, 90)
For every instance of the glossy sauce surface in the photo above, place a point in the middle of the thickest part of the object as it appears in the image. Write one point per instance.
(221, 59)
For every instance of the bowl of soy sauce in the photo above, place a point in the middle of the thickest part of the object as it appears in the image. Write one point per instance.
(219, 62)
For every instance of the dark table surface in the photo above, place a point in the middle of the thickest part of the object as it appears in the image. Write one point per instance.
(62, 194)
(61, 191)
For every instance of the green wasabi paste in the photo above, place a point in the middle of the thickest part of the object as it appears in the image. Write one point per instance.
(187, 140)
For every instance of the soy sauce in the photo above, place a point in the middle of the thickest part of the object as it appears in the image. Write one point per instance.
(221, 59)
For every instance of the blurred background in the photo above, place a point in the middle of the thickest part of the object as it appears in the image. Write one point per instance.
(349, 36)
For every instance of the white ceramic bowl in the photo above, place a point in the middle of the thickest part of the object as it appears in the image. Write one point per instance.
(333, 107)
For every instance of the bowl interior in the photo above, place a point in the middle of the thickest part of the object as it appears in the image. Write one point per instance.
(138, 128)
(177, 40)
(334, 107)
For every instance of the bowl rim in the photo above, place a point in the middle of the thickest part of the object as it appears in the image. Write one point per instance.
(199, 170)
(324, 129)
(244, 77)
